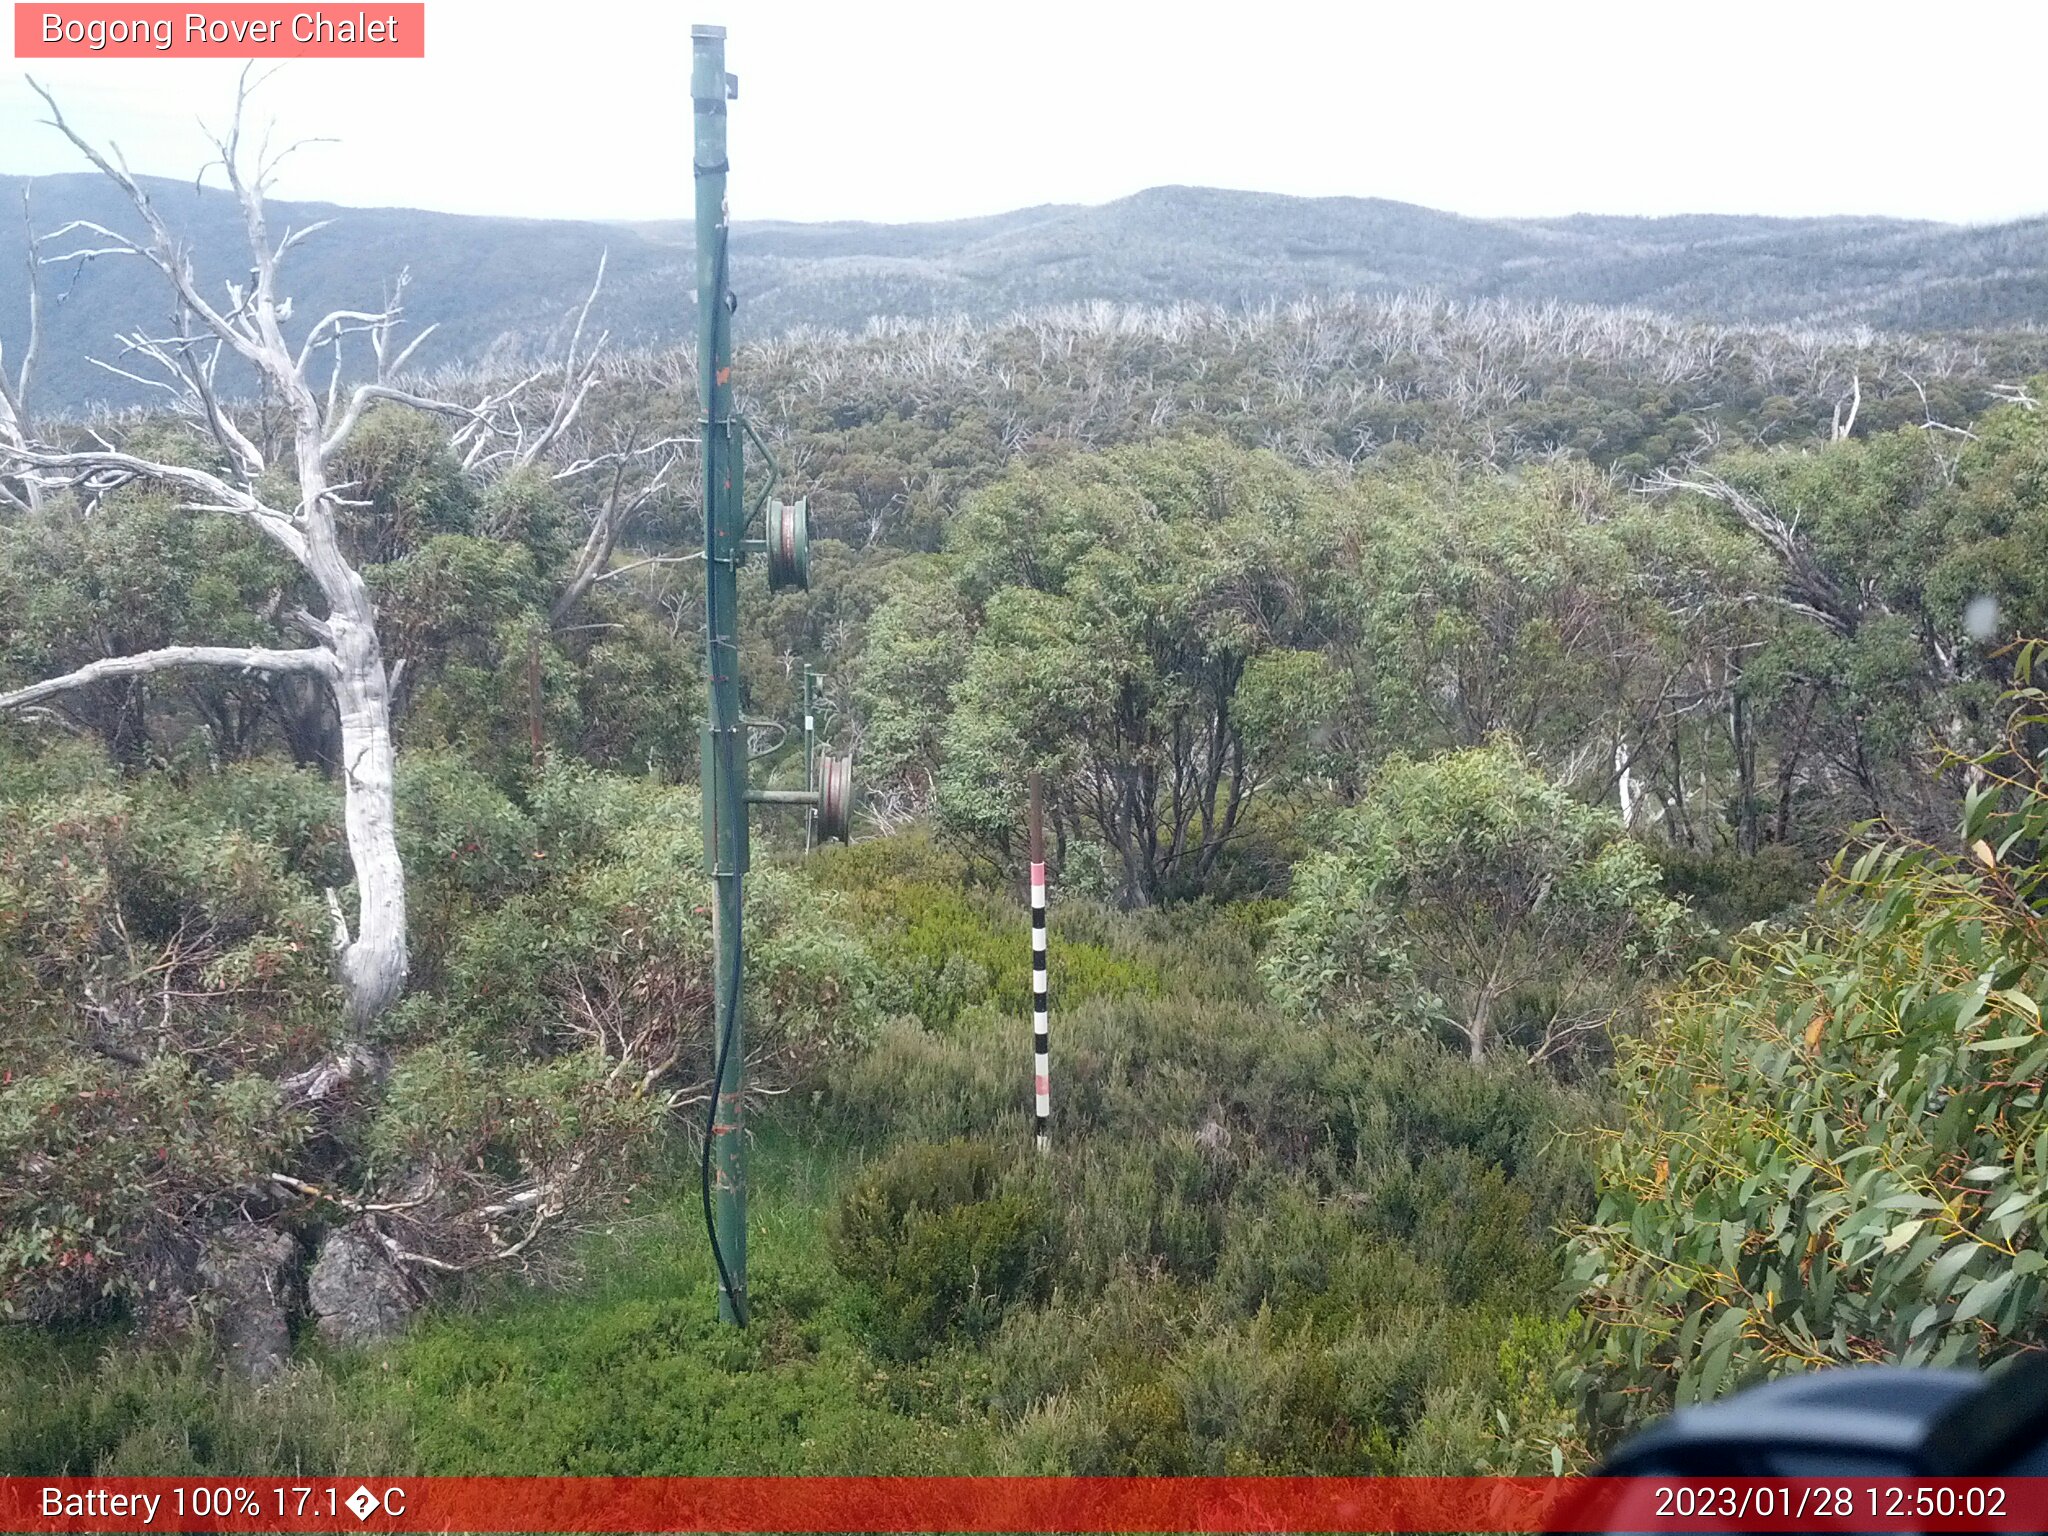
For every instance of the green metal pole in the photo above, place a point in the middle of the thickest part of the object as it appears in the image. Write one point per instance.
(724, 757)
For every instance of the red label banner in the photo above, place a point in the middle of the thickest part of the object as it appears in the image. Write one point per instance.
(231, 31)
(1020, 1504)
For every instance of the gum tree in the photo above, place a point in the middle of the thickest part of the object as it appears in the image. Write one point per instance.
(1137, 616)
(1471, 897)
(1831, 1146)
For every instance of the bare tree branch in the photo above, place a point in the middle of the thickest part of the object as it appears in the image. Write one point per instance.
(364, 394)
(576, 378)
(374, 964)
(245, 658)
(1845, 425)
(1814, 590)
(107, 469)
(618, 509)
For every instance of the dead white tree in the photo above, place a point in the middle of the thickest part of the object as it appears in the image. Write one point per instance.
(631, 477)
(343, 650)
(1846, 423)
(1809, 588)
(23, 493)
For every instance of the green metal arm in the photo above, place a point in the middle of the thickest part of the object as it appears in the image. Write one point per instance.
(783, 796)
(774, 472)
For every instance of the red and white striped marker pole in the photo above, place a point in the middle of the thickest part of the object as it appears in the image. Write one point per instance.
(1041, 1038)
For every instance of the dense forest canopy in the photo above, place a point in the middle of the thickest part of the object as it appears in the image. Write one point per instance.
(1451, 713)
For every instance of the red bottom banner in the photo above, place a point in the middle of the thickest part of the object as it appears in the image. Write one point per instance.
(1021, 1504)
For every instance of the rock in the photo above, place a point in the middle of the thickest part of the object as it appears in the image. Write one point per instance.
(357, 1296)
(246, 1275)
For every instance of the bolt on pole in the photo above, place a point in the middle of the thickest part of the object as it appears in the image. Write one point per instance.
(724, 744)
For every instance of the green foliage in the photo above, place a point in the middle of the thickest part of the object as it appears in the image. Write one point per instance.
(143, 573)
(601, 917)
(1537, 604)
(1330, 1285)
(944, 1237)
(1121, 598)
(640, 701)
(160, 960)
(1832, 1143)
(909, 666)
(944, 946)
(1896, 536)
(1996, 524)
(635, 1376)
(458, 829)
(1513, 1415)
(1384, 1210)
(171, 1413)
(1287, 708)
(118, 1172)
(1266, 1239)
(398, 464)
(1471, 896)
(525, 507)
(1731, 890)
(448, 598)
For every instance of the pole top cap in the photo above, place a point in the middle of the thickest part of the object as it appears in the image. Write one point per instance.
(702, 30)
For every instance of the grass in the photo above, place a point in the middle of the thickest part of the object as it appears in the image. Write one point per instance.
(632, 1374)
(627, 1372)
(120, 1410)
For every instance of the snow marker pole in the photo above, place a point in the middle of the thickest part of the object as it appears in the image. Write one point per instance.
(1041, 1038)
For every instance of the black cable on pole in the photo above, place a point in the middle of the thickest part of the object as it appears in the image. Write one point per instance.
(739, 1305)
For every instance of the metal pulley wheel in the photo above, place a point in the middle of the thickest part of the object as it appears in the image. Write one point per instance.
(789, 546)
(835, 797)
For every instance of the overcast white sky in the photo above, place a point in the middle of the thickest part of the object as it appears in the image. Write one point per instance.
(898, 110)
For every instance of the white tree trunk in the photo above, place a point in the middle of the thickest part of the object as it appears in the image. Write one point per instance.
(374, 963)
(1625, 779)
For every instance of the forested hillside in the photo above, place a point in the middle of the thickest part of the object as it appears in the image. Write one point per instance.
(1470, 1035)
(498, 287)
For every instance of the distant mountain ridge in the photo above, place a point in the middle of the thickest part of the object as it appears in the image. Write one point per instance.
(499, 288)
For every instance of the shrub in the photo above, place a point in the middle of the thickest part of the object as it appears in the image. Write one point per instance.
(171, 1413)
(1733, 890)
(1040, 1355)
(1832, 1148)
(1470, 898)
(112, 1176)
(945, 945)
(158, 966)
(639, 702)
(1315, 1261)
(406, 484)
(912, 1080)
(1157, 1205)
(1508, 1408)
(1259, 1403)
(633, 1374)
(944, 1239)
